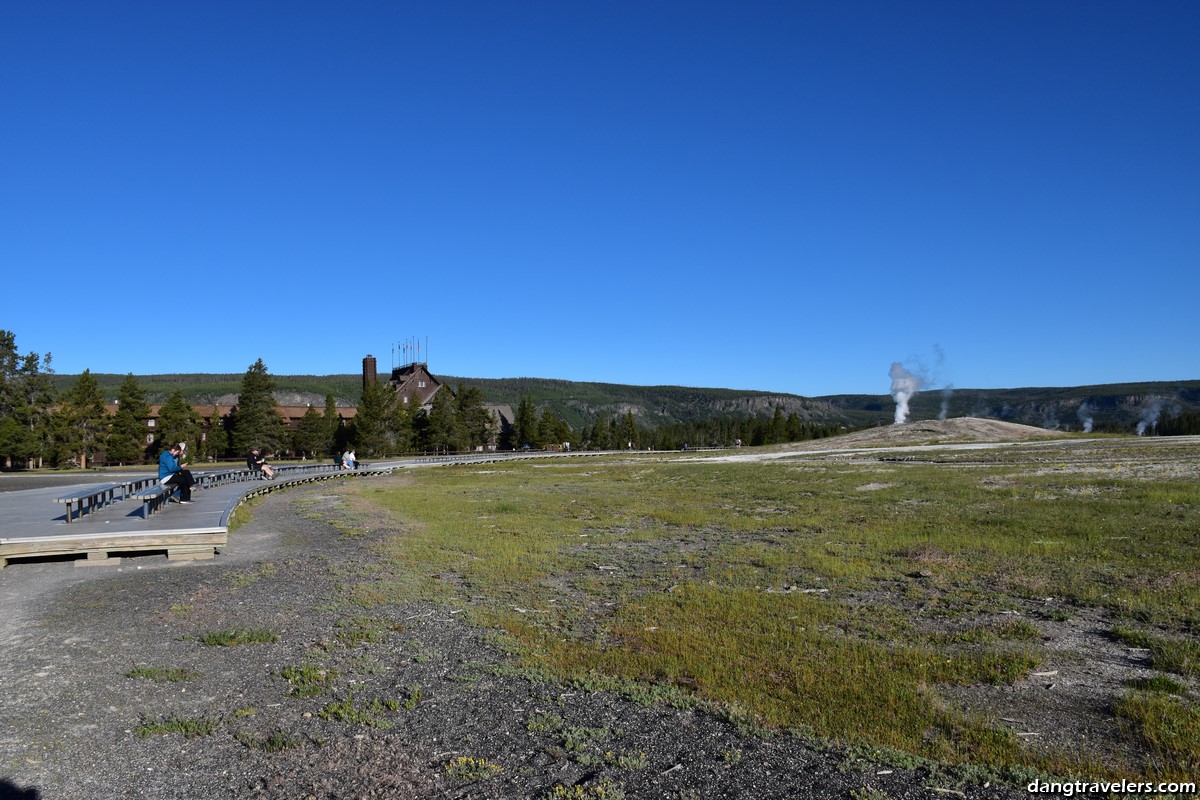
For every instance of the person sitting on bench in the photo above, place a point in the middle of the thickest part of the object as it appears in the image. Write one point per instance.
(170, 473)
(257, 461)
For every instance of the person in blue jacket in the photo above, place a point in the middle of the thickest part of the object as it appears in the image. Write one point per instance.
(171, 473)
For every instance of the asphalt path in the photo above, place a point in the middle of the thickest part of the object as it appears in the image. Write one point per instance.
(20, 481)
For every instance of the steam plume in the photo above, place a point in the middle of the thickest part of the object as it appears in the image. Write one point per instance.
(1150, 414)
(1085, 416)
(904, 386)
(947, 390)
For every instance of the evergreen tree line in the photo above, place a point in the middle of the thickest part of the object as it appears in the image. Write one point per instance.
(779, 429)
(26, 402)
(387, 425)
(621, 432)
(41, 426)
(1185, 423)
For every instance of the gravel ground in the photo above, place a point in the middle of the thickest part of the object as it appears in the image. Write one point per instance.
(411, 691)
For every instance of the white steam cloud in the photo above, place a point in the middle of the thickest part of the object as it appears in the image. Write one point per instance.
(904, 386)
(947, 390)
(1150, 414)
(1085, 416)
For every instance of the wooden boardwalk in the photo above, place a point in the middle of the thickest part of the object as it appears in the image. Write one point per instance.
(33, 525)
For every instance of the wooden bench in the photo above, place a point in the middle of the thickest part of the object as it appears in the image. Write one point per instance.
(90, 499)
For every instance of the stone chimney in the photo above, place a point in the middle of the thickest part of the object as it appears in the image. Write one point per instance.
(370, 378)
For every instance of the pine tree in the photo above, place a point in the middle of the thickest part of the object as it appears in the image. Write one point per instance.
(254, 421)
(629, 432)
(552, 430)
(795, 428)
(446, 433)
(777, 433)
(373, 422)
(17, 441)
(127, 438)
(85, 427)
(759, 431)
(403, 435)
(333, 427)
(420, 428)
(478, 424)
(525, 432)
(27, 398)
(216, 438)
(178, 422)
(311, 434)
(14, 440)
(600, 439)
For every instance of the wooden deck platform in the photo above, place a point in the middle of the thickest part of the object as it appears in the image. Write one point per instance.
(33, 525)
(103, 548)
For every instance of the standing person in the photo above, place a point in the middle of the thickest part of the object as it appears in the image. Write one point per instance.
(170, 473)
(256, 461)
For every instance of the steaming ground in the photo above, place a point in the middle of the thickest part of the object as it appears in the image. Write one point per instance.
(933, 432)
(958, 433)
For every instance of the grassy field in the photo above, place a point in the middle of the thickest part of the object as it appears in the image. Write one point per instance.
(855, 602)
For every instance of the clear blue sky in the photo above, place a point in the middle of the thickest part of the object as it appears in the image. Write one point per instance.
(781, 196)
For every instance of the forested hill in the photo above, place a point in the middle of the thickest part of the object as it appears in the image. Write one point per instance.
(1117, 408)
(1110, 407)
(203, 388)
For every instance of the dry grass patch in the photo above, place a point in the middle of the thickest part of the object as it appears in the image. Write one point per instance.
(785, 591)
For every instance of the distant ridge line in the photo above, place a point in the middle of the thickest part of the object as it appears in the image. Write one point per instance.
(1116, 407)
